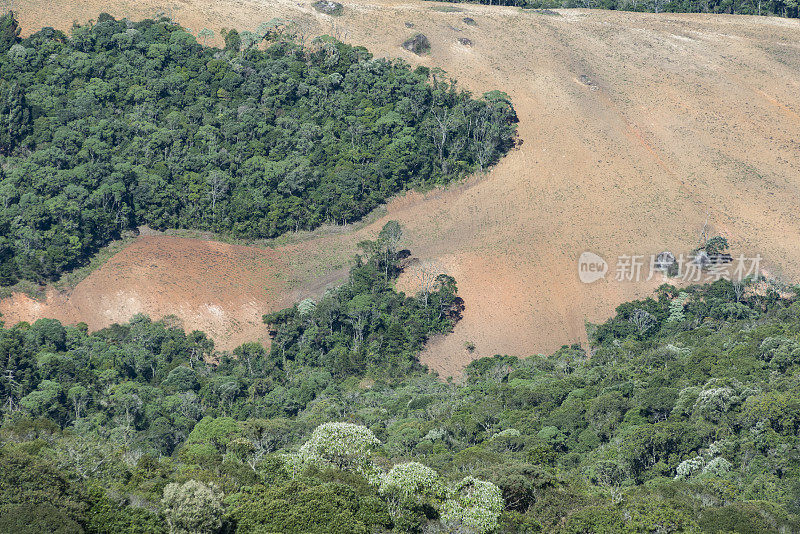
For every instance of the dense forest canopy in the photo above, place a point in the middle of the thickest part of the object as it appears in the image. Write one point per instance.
(122, 124)
(683, 417)
(781, 8)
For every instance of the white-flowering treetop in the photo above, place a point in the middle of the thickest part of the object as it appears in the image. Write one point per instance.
(475, 505)
(413, 481)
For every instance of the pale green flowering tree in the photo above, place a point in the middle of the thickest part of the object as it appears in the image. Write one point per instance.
(714, 402)
(249, 39)
(306, 307)
(193, 508)
(413, 481)
(507, 433)
(690, 467)
(707, 463)
(205, 34)
(717, 467)
(342, 445)
(474, 506)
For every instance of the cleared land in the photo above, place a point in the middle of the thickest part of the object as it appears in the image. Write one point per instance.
(636, 127)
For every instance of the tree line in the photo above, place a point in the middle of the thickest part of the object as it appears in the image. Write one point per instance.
(682, 416)
(122, 124)
(780, 8)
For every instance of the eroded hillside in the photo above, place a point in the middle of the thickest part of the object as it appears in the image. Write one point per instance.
(636, 129)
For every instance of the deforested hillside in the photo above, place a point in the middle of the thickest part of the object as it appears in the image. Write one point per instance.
(264, 282)
(638, 129)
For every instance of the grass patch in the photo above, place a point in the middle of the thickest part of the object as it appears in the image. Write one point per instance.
(447, 9)
(73, 278)
(32, 289)
(540, 11)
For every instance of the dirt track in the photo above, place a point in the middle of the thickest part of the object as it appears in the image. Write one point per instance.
(635, 127)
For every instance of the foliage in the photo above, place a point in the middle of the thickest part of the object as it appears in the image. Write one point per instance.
(475, 506)
(9, 32)
(329, 503)
(716, 245)
(123, 124)
(365, 324)
(686, 417)
(329, 7)
(418, 44)
(343, 445)
(192, 508)
(783, 8)
(413, 481)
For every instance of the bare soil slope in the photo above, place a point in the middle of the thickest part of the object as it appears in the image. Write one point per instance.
(635, 127)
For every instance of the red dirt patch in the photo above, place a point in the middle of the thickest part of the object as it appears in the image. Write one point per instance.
(211, 286)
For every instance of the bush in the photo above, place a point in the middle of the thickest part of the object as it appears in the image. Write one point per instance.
(329, 7)
(417, 44)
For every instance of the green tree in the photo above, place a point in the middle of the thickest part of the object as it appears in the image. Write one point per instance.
(233, 41)
(193, 508)
(9, 31)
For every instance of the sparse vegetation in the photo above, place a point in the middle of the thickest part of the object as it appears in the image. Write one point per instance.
(447, 9)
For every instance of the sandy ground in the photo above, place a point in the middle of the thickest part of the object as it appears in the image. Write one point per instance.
(637, 129)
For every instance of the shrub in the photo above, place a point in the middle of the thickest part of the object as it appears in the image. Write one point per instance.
(417, 44)
(329, 7)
